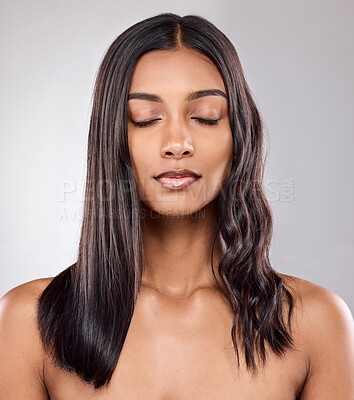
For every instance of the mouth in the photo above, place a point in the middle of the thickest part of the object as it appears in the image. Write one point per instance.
(177, 179)
(177, 182)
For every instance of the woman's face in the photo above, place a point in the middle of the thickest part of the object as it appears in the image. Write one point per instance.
(177, 137)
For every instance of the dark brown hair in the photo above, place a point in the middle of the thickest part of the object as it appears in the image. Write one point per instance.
(85, 312)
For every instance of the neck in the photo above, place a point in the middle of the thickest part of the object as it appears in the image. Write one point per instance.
(177, 251)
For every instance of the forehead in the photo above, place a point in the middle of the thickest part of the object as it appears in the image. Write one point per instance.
(176, 71)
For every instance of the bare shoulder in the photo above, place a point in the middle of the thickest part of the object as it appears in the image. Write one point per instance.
(315, 300)
(325, 323)
(25, 291)
(21, 349)
(18, 306)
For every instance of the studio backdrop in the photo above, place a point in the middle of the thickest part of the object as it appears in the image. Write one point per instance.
(298, 61)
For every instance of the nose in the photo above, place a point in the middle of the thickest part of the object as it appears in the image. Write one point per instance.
(178, 142)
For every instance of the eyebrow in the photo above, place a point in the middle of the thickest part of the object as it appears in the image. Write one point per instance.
(191, 96)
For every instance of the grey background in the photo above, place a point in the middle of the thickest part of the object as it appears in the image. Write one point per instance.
(298, 60)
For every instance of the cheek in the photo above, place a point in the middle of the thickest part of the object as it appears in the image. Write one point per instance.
(219, 162)
(143, 158)
(139, 152)
(137, 158)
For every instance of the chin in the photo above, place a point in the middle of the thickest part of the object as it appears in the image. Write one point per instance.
(175, 211)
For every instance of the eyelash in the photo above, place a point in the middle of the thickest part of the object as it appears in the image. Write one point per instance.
(201, 120)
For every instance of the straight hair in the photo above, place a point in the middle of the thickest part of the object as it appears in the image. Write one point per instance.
(85, 312)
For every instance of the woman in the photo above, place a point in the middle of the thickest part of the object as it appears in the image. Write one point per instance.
(173, 295)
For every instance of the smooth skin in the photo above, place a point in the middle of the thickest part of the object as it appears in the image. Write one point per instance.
(176, 345)
(179, 224)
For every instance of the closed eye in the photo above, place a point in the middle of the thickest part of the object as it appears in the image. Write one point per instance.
(207, 121)
(145, 123)
(201, 120)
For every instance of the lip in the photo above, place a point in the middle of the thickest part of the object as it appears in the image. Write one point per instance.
(177, 183)
(177, 179)
(178, 173)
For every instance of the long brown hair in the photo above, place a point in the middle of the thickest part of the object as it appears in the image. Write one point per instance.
(85, 312)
